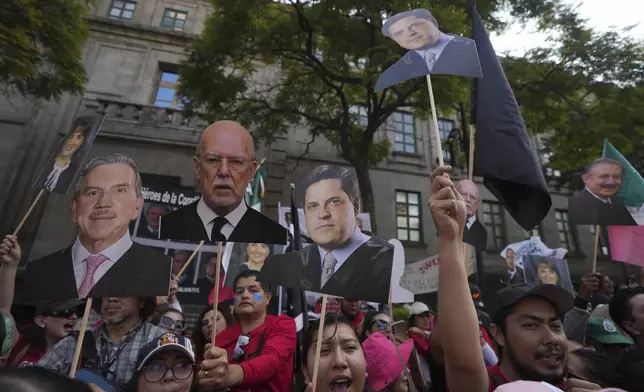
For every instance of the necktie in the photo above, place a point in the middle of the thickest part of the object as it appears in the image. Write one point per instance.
(430, 59)
(215, 234)
(328, 267)
(93, 262)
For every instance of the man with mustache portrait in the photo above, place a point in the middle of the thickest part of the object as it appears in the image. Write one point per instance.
(596, 204)
(103, 261)
(224, 165)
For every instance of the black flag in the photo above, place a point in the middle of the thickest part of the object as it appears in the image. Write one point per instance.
(297, 306)
(503, 155)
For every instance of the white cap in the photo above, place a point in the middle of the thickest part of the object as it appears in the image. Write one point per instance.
(418, 308)
(527, 386)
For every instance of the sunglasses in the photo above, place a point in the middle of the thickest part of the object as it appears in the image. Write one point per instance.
(168, 323)
(242, 342)
(382, 325)
(61, 314)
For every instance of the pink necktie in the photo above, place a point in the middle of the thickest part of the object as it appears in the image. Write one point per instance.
(93, 262)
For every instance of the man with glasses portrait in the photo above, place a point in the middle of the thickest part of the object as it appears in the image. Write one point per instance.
(224, 165)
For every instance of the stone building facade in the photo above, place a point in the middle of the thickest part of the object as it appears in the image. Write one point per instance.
(131, 61)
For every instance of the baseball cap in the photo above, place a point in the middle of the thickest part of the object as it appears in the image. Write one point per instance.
(57, 306)
(559, 297)
(167, 342)
(605, 331)
(418, 308)
(383, 363)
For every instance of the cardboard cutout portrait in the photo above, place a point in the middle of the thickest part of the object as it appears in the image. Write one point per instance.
(63, 165)
(474, 233)
(547, 270)
(342, 261)
(430, 50)
(516, 253)
(224, 166)
(421, 277)
(103, 261)
(244, 256)
(598, 203)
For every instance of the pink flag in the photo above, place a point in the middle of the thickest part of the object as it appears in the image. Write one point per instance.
(627, 244)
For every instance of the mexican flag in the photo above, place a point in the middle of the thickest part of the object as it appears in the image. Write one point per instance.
(631, 192)
(256, 188)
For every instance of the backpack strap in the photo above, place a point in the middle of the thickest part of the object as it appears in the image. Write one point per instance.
(260, 346)
(89, 355)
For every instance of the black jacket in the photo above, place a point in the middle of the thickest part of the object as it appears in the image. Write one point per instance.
(476, 236)
(586, 209)
(365, 275)
(184, 224)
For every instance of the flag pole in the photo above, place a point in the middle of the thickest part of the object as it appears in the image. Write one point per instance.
(318, 344)
(597, 229)
(81, 337)
(192, 256)
(470, 176)
(215, 301)
(29, 211)
(437, 136)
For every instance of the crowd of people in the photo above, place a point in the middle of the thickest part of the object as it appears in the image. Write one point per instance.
(540, 337)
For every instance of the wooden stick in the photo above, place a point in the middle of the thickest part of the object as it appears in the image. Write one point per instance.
(597, 229)
(31, 208)
(192, 256)
(215, 301)
(318, 344)
(470, 167)
(81, 337)
(437, 135)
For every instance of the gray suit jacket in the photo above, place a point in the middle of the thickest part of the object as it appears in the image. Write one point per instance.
(459, 57)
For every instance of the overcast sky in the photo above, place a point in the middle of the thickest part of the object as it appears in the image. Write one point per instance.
(601, 14)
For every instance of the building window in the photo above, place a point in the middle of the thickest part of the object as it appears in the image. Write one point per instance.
(122, 9)
(404, 132)
(166, 95)
(550, 172)
(534, 232)
(445, 127)
(408, 216)
(566, 233)
(494, 221)
(174, 19)
(360, 115)
(602, 247)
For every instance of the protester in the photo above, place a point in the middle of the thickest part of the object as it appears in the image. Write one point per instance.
(35, 379)
(202, 334)
(386, 364)
(351, 309)
(605, 291)
(342, 364)
(8, 336)
(118, 339)
(9, 258)
(477, 297)
(600, 368)
(377, 322)
(257, 353)
(627, 310)
(169, 319)
(166, 364)
(604, 337)
(419, 330)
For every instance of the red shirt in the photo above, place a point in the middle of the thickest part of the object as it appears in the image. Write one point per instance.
(272, 369)
(225, 293)
(33, 354)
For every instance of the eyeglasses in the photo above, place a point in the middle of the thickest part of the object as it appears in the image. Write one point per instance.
(234, 163)
(155, 372)
(242, 341)
(61, 314)
(168, 323)
(382, 325)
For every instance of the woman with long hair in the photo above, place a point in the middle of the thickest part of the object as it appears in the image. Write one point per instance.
(376, 322)
(202, 334)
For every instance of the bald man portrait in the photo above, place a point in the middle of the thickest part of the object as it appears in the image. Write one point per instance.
(475, 233)
(224, 165)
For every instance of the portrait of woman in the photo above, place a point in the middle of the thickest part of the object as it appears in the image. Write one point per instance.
(246, 256)
(62, 167)
(547, 270)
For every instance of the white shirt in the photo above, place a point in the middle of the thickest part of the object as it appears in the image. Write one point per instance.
(607, 201)
(207, 217)
(470, 221)
(342, 254)
(52, 179)
(435, 50)
(113, 253)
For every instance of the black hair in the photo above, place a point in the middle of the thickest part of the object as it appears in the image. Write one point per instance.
(599, 368)
(147, 311)
(603, 161)
(198, 339)
(347, 177)
(330, 319)
(368, 322)
(37, 379)
(161, 311)
(249, 273)
(620, 308)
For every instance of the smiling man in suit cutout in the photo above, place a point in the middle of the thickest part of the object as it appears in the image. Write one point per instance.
(103, 262)
(343, 261)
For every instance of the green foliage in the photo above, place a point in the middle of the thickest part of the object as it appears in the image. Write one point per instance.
(400, 312)
(40, 46)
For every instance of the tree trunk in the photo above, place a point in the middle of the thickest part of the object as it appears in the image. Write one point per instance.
(366, 193)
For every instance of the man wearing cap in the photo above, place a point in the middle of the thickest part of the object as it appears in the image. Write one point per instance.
(604, 336)
(528, 329)
(430, 50)
(164, 364)
(626, 309)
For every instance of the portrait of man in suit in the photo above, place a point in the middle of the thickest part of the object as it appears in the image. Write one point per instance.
(475, 233)
(103, 261)
(515, 274)
(224, 165)
(430, 50)
(342, 261)
(596, 204)
(63, 165)
(149, 225)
